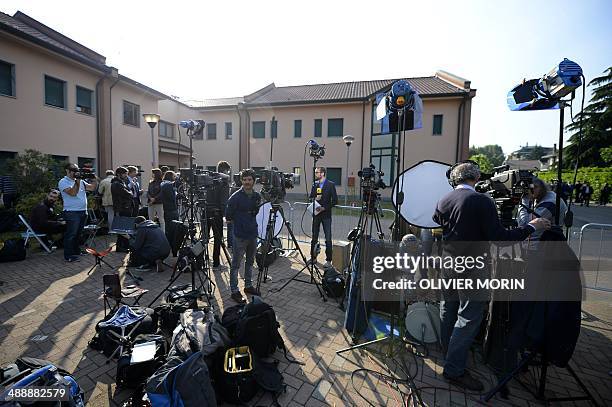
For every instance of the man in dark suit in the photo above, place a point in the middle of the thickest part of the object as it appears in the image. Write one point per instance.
(468, 216)
(324, 193)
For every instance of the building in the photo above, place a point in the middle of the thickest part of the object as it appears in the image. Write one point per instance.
(60, 98)
(535, 157)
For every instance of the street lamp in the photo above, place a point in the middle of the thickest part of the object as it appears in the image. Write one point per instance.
(152, 119)
(348, 140)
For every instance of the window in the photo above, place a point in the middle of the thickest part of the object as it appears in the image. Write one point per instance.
(131, 114)
(55, 92)
(297, 172)
(257, 170)
(85, 162)
(335, 127)
(58, 165)
(334, 175)
(437, 125)
(211, 131)
(7, 79)
(318, 127)
(84, 100)
(228, 130)
(297, 128)
(274, 129)
(259, 129)
(212, 168)
(166, 129)
(4, 157)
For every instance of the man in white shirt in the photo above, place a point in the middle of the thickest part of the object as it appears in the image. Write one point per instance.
(75, 209)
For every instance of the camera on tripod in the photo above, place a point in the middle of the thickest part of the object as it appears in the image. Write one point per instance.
(371, 181)
(274, 184)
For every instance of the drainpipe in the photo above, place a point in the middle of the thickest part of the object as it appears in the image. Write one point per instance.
(362, 133)
(459, 123)
(110, 101)
(248, 139)
(99, 155)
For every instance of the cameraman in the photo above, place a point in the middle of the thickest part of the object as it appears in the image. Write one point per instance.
(468, 216)
(324, 192)
(241, 210)
(223, 167)
(123, 203)
(544, 206)
(75, 209)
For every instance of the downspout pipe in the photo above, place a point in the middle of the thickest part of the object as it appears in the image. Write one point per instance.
(362, 132)
(98, 153)
(239, 134)
(110, 102)
(459, 125)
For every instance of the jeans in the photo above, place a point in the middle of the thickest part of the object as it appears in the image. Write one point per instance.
(239, 248)
(75, 221)
(157, 209)
(316, 227)
(216, 224)
(110, 213)
(460, 322)
(169, 216)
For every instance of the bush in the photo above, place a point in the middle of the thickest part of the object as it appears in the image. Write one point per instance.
(34, 172)
(595, 176)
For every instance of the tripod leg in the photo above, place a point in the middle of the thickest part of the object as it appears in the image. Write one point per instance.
(526, 359)
(542, 385)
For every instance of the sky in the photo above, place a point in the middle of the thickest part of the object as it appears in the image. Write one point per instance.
(208, 49)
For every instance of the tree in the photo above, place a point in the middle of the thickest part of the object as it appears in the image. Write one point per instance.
(606, 155)
(596, 126)
(483, 162)
(493, 152)
(536, 153)
(33, 172)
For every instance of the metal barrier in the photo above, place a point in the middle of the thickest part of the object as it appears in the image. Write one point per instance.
(345, 218)
(602, 227)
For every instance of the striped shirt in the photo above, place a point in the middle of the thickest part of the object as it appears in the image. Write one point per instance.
(7, 185)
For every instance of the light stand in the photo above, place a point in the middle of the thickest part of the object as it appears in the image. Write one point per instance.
(396, 234)
(348, 140)
(152, 119)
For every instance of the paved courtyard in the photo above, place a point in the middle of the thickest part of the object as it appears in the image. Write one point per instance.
(48, 309)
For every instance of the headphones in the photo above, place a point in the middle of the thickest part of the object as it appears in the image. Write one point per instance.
(450, 170)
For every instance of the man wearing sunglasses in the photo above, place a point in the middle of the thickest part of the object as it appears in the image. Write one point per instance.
(75, 209)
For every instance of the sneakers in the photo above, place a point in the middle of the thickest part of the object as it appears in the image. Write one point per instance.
(72, 259)
(238, 298)
(466, 381)
(251, 290)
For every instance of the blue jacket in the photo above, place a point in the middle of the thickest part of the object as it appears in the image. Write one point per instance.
(150, 242)
(242, 211)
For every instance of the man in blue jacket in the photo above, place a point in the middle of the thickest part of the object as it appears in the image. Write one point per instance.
(241, 211)
(324, 192)
(149, 245)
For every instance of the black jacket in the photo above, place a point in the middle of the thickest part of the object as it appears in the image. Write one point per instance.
(43, 220)
(328, 200)
(150, 242)
(468, 216)
(242, 211)
(154, 192)
(168, 196)
(123, 202)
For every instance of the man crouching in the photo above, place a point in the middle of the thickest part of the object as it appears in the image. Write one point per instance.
(149, 245)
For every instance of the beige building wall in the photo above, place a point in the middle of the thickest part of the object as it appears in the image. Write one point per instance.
(209, 152)
(131, 145)
(27, 122)
(171, 111)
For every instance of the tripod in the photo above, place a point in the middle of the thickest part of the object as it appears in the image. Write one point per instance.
(315, 274)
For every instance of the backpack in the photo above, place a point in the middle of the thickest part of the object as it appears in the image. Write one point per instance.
(182, 384)
(333, 283)
(230, 318)
(257, 328)
(12, 250)
(133, 375)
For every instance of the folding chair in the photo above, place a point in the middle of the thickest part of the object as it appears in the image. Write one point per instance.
(99, 258)
(123, 318)
(112, 291)
(30, 233)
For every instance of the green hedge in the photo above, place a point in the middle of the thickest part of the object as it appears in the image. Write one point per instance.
(595, 176)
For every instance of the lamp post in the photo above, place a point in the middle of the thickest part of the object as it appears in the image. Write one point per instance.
(348, 140)
(152, 119)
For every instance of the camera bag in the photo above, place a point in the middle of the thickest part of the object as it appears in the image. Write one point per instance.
(132, 375)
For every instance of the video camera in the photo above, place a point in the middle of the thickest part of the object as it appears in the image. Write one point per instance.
(506, 187)
(86, 173)
(274, 184)
(371, 181)
(315, 150)
(212, 188)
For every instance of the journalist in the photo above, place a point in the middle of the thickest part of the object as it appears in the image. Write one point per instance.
(241, 210)
(167, 195)
(156, 207)
(149, 245)
(123, 203)
(539, 202)
(468, 216)
(223, 167)
(216, 210)
(74, 197)
(134, 186)
(44, 220)
(324, 193)
(104, 190)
